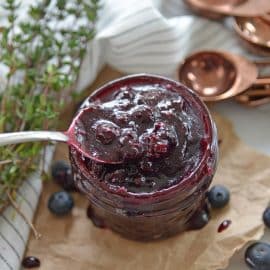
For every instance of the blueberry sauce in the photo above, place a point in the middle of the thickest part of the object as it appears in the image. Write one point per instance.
(31, 262)
(155, 134)
(224, 225)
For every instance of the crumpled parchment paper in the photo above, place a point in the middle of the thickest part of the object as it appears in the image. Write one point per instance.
(72, 242)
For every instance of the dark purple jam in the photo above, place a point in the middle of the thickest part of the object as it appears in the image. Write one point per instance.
(31, 262)
(157, 151)
(153, 131)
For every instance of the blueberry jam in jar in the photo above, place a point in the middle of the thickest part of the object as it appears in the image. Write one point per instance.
(160, 145)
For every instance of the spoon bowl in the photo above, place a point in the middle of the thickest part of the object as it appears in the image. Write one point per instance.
(254, 30)
(217, 75)
(208, 73)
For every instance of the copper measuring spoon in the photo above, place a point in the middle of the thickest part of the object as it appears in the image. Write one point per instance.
(73, 137)
(218, 75)
(213, 8)
(254, 30)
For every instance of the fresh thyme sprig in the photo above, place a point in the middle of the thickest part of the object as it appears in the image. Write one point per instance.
(41, 54)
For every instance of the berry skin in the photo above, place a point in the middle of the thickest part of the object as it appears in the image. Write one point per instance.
(218, 196)
(266, 217)
(117, 176)
(60, 203)
(106, 132)
(257, 256)
(62, 175)
(142, 114)
(160, 141)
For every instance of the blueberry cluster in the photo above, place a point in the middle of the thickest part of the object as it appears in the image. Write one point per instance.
(61, 203)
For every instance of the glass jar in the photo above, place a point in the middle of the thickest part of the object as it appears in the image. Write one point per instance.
(160, 213)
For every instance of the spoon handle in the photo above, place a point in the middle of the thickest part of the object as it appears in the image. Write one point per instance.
(249, 101)
(31, 136)
(262, 81)
(258, 92)
(262, 63)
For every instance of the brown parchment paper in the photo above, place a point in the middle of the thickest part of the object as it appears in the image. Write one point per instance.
(72, 242)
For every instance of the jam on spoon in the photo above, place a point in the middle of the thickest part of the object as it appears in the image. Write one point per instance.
(73, 136)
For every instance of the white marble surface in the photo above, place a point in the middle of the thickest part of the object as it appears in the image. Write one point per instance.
(252, 126)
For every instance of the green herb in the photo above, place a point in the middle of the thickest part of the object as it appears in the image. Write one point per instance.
(42, 55)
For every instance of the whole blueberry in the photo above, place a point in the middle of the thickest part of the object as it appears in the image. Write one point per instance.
(62, 175)
(199, 220)
(31, 262)
(218, 196)
(60, 203)
(257, 256)
(266, 217)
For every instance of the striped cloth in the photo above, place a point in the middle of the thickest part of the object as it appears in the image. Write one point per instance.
(132, 36)
(14, 231)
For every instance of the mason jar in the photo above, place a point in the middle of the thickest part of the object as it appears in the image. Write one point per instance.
(157, 213)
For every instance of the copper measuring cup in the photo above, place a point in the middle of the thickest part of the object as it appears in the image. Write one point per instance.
(219, 75)
(255, 32)
(216, 9)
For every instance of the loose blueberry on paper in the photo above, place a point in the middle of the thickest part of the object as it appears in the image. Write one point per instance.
(218, 196)
(257, 256)
(62, 175)
(199, 220)
(60, 203)
(31, 262)
(266, 217)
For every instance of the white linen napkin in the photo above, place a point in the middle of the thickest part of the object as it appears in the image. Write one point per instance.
(132, 36)
(137, 36)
